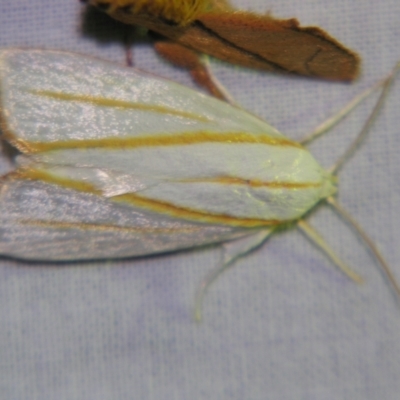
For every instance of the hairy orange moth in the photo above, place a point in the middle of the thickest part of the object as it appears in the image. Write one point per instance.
(243, 38)
(116, 163)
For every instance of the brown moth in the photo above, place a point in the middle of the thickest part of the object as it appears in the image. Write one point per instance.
(243, 38)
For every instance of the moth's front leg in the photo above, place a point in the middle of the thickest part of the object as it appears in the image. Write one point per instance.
(189, 59)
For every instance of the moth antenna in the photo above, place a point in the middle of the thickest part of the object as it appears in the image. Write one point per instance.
(316, 237)
(387, 84)
(341, 114)
(368, 242)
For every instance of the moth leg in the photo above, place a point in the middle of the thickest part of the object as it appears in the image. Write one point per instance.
(189, 59)
(128, 41)
(317, 239)
(132, 35)
(232, 250)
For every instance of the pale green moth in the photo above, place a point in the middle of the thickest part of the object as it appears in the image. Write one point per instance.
(116, 163)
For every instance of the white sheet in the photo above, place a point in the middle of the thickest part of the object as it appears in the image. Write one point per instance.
(282, 324)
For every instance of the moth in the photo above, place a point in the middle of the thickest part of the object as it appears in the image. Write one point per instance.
(115, 163)
(213, 27)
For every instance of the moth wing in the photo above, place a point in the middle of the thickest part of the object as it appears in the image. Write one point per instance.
(52, 96)
(110, 182)
(83, 119)
(48, 222)
(284, 45)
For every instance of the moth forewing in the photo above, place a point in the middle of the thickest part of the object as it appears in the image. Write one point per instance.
(120, 164)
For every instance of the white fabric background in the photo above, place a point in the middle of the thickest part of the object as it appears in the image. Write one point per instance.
(282, 324)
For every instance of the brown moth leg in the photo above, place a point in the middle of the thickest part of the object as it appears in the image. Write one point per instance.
(189, 59)
(129, 40)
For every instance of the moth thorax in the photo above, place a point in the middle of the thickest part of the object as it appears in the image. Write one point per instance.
(329, 186)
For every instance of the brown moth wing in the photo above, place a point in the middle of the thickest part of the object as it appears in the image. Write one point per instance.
(260, 42)
(197, 37)
(306, 51)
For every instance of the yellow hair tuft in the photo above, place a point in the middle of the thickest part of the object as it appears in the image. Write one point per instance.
(181, 12)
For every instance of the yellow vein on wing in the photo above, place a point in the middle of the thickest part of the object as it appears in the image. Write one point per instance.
(162, 207)
(156, 206)
(100, 227)
(128, 105)
(178, 139)
(227, 180)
